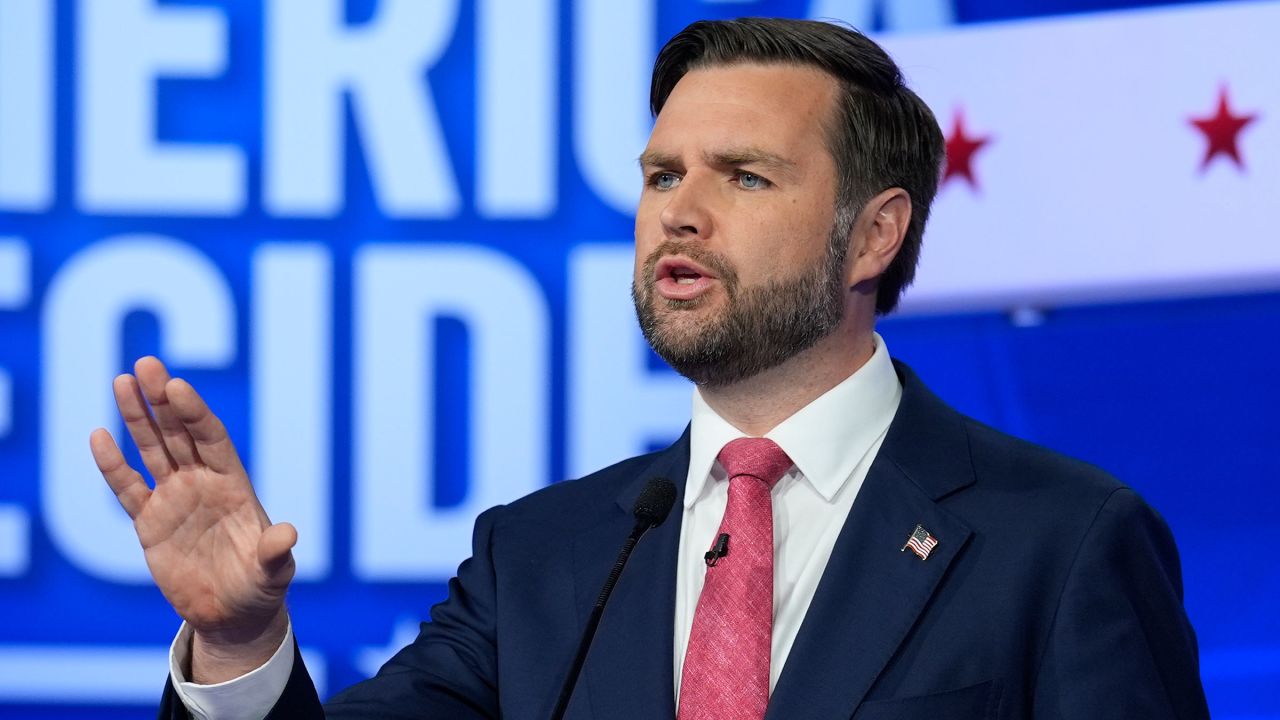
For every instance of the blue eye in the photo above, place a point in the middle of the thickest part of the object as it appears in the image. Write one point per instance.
(751, 181)
(663, 180)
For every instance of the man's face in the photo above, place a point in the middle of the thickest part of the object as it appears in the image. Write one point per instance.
(739, 263)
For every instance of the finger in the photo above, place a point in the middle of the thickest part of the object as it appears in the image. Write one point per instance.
(142, 427)
(212, 443)
(274, 552)
(130, 489)
(152, 376)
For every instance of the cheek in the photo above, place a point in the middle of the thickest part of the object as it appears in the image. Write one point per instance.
(646, 239)
(649, 208)
(648, 217)
(645, 243)
(779, 249)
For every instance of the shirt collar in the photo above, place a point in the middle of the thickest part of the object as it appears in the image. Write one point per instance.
(826, 439)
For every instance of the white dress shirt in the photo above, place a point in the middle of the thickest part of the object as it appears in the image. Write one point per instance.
(250, 696)
(832, 442)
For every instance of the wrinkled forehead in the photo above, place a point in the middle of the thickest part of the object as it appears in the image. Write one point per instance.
(783, 108)
(781, 89)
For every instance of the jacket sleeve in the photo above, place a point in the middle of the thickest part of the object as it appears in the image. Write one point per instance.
(451, 669)
(1121, 645)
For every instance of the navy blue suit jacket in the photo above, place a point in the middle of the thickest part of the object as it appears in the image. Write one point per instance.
(1054, 592)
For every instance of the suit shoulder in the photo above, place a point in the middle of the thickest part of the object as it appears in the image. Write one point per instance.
(1000, 459)
(566, 498)
(1023, 491)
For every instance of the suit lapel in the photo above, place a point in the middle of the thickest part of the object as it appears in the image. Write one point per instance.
(871, 592)
(628, 672)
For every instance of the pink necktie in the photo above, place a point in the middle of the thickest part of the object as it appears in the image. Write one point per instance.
(726, 668)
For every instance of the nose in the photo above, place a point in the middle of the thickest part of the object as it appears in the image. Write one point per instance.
(687, 214)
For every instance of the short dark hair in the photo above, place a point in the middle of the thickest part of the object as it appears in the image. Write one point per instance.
(882, 135)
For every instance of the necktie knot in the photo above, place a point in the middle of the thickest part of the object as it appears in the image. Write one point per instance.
(760, 458)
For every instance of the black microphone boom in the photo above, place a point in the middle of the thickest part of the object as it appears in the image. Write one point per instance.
(651, 509)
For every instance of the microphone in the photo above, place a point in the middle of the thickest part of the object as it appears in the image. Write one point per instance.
(717, 551)
(651, 509)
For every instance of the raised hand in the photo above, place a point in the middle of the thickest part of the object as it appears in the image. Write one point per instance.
(209, 545)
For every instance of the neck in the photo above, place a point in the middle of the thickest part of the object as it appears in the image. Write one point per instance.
(759, 403)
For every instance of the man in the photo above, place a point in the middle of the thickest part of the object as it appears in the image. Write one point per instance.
(873, 554)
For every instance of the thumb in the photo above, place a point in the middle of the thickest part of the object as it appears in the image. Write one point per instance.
(274, 546)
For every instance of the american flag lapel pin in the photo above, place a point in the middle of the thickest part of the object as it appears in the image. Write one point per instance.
(920, 542)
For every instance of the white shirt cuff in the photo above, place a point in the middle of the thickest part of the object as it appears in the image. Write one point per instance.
(250, 696)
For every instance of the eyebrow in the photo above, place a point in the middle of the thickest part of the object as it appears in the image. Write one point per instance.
(749, 156)
(722, 158)
(650, 158)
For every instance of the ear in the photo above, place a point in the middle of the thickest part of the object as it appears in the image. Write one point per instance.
(877, 236)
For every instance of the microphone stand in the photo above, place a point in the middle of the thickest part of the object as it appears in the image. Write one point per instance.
(650, 511)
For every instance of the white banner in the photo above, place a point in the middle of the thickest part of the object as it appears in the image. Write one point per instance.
(1082, 169)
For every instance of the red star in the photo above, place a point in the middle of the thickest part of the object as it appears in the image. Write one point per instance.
(1222, 130)
(960, 151)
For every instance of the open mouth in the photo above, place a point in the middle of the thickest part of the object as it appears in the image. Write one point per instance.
(678, 278)
(684, 275)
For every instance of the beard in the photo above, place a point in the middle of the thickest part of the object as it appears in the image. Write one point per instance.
(758, 329)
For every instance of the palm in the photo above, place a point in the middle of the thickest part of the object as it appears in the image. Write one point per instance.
(199, 532)
(209, 545)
